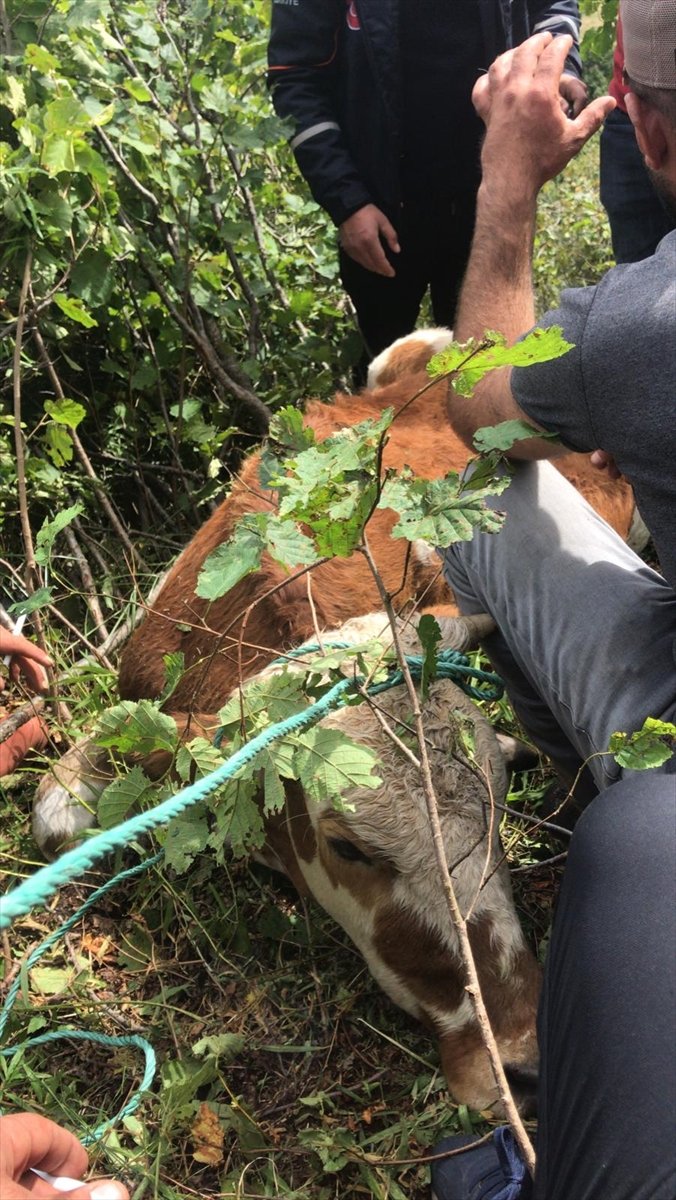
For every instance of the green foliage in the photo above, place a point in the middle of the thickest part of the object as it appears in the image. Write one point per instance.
(650, 746)
(147, 190)
(572, 244)
(137, 727)
(468, 363)
(332, 487)
(599, 36)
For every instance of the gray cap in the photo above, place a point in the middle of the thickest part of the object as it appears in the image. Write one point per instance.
(649, 30)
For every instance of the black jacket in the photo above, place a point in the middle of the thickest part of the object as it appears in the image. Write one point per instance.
(334, 71)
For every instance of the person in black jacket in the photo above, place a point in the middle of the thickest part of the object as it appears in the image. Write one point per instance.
(387, 138)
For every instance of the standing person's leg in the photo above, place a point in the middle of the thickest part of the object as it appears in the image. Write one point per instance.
(638, 219)
(448, 256)
(607, 1091)
(386, 308)
(586, 631)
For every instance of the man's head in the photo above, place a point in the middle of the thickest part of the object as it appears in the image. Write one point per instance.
(649, 29)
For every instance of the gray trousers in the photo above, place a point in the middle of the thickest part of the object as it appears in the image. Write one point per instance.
(586, 639)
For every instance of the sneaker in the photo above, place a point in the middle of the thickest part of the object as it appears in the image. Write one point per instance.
(493, 1170)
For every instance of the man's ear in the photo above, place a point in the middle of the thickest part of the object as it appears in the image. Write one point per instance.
(649, 125)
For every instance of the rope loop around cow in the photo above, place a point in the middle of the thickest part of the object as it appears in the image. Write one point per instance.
(71, 865)
(450, 664)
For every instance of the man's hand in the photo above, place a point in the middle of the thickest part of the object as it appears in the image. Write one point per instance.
(26, 1141)
(528, 138)
(360, 236)
(26, 659)
(573, 95)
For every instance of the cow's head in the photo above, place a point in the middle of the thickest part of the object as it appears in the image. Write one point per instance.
(373, 868)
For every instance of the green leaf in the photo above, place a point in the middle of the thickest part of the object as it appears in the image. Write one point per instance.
(328, 763)
(58, 444)
(41, 59)
(186, 837)
(65, 412)
(232, 561)
(471, 360)
(121, 796)
(287, 543)
(93, 277)
(174, 668)
(58, 154)
(198, 757)
(136, 726)
(238, 820)
(51, 981)
(437, 511)
(67, 116)
(49, 531)
(504, 435)
(650, 746)
(72, 307)
(220, 1046)
(217, 97)
(138, 90)
(39, 599)
(429, 634)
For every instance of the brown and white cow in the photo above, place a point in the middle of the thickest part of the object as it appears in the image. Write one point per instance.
(371, 865)
(230, 639)
(227, 640)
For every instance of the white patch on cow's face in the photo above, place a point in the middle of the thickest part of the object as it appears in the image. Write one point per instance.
(447, 1021)
(358, 922)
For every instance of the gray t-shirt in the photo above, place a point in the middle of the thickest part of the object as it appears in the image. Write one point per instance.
(616, 390)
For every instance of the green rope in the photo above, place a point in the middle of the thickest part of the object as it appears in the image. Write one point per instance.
(74, 863)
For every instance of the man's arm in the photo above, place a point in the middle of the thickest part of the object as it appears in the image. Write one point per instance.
(563, 17)
(302, 64)
(528, 141)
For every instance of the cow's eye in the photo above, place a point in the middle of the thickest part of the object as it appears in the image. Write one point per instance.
(348, 851)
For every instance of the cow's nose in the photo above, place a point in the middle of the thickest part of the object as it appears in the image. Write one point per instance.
(523, 1081)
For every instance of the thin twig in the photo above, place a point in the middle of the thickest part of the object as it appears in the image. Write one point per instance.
(88, 585)
(473, 986)
(97, 487)
(19, 717)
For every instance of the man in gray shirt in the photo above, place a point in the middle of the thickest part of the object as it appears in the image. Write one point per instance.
(586, 631)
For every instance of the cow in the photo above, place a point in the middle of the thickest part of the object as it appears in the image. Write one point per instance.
(370, 863)
(372, 867)
(227, 640)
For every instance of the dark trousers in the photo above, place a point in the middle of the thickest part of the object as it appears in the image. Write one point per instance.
(638, 219)
(434, 254)
(608, 1014)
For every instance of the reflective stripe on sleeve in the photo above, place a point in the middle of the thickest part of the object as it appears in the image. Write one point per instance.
(558, 21)
(312, 132)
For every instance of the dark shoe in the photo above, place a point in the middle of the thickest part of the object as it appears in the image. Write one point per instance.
(493, 1170)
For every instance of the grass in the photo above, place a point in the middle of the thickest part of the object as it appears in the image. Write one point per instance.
(258, 1008)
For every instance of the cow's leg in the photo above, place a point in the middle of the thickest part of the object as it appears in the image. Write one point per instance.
(586, 629)
(66, 800)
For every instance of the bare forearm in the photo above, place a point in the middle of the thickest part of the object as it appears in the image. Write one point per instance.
(528, 141)
(497, 292)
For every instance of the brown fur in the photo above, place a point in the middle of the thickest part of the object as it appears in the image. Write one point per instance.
(420, 438)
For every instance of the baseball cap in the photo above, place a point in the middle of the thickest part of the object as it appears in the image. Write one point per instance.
(649, 29)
